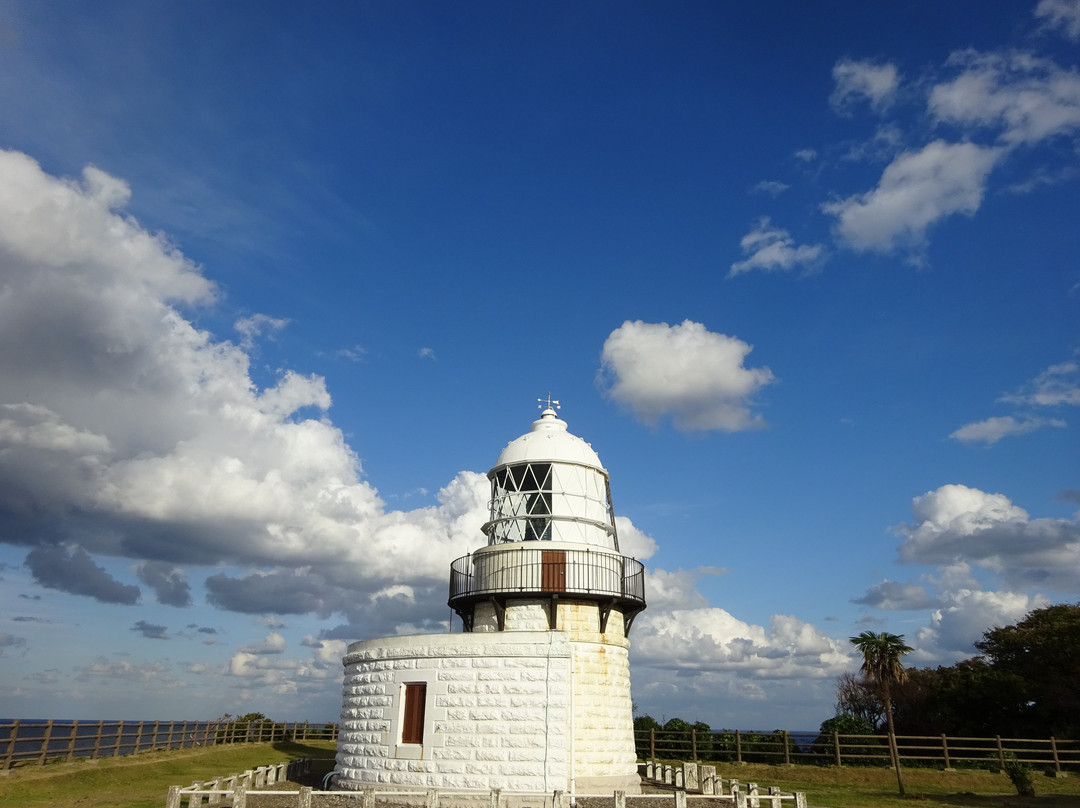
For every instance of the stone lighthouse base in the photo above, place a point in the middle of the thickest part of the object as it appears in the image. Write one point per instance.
(476, 710)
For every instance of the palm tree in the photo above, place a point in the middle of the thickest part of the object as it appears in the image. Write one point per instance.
(882, 666)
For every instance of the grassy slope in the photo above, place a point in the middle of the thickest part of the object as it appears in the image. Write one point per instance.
(141, 781)
(860, 787)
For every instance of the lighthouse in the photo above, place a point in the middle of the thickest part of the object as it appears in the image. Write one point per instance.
(533, 694)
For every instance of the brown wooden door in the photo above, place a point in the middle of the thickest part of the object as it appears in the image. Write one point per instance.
(553, 571)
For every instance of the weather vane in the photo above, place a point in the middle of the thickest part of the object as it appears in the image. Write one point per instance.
(548, 403)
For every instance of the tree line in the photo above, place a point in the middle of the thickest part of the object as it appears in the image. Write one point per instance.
(1025, 683)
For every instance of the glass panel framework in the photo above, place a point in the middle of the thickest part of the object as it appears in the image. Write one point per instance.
(550, 502)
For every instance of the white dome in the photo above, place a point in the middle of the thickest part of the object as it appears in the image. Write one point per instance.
(549, 440)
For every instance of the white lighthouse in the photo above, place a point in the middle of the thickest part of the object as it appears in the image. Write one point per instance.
(534, 694)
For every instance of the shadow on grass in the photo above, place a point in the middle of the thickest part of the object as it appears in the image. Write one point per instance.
(1006, 800)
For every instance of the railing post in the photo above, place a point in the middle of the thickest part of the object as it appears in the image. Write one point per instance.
(652, 743)
(1001, 752)
(304, 800)
(97, 740)
(836, 748)
(433, 798)
(738, 746)
(693, 744)
(620, 799)
(43, 756)
(13, 736)
(173, 800)
(494, 797)
(787, 750)
(138, 737)
(71, 740)
(367, 799)
(239, 799)
(1054, 752)
(945, 752)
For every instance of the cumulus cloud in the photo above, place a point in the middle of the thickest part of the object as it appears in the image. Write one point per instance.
(102, 668)
(1025, 99)
(633, 542)
(685, 371)
(915, 191)
(168, 582)
(127, 432)
(958, 524)
(965, 617)
(150, 630)
(10, 641)
(711, 639)
(772, 248)
(897, 596)
(70, 569)
(273, 644)
(806, 155)
(862, 80)
(992, 430)
(1060, 15)
(669, 590)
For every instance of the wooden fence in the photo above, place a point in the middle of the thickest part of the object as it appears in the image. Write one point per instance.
(1054, 755)
(38, 742)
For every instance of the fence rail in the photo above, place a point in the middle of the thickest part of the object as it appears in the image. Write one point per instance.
(782, 747)
(39, 742)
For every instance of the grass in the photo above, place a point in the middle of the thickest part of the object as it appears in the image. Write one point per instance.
(864, 787)
(142, 780)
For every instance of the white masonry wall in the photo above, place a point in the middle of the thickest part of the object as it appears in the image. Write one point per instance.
(497, 712)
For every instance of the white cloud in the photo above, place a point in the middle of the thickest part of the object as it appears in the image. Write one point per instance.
(897, 596)
(273, 644)
(857, 80)
(685, 371)
(712, 639)
(1062, 15)
(806, 155)
(771, 187)
(125, 431)
(772, 248)
(915, 191)
(955, 523)
(1025, 98)
(992, 430)
(1058, 384)
(633, 542)
(257, 325)
(957, 626)
(676, 590)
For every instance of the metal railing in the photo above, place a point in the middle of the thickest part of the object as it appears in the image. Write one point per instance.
(523, 571)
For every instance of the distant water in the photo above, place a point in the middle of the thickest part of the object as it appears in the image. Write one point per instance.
(79, 737)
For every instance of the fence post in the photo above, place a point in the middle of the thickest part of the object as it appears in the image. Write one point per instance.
(97, 740)
(680, 799)
(738, 747)
(71, 740)
(173, 800)
(836, 748)
(1057, 761)
(494, 797)
(787, 750)
(693, 744)
(305, 797)
(13, 736)
(368, 798)
(119, 738)
(45, 743)
(652, 743)
(620, 799)
(1001, 752)
(239, 798)
(433, 798)
(945, 752)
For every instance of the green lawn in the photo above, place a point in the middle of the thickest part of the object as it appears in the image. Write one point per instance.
(864, 787)
(143, 780)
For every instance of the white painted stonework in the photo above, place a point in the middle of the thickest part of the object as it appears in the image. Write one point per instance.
(497, 713)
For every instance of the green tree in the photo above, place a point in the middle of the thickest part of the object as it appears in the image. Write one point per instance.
(841, 725)
(1043, 652)
(882, 664)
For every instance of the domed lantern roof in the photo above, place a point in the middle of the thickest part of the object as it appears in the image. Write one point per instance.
(549, 485)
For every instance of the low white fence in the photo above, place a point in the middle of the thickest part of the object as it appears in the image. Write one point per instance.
(690, 777)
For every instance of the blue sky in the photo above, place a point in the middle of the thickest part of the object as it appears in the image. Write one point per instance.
(277, 284)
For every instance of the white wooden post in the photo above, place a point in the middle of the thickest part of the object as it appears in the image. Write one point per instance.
(304, 800)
